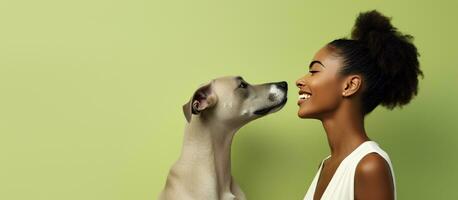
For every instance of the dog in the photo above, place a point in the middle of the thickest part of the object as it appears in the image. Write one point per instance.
(213, 115)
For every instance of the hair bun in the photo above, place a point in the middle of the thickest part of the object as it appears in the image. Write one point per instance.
(387, 58)
(369, 23)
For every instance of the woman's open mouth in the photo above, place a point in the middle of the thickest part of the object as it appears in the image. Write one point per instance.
(303, 97)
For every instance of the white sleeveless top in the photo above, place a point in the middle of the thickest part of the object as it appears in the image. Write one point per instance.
(341, 186)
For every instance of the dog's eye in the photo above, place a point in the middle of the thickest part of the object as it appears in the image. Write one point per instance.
(243, 85)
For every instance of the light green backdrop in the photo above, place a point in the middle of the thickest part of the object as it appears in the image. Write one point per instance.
(91, 94)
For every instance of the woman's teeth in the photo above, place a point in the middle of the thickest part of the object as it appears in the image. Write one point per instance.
(305, 96)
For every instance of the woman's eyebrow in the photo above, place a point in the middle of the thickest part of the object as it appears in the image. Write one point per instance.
(316, 61)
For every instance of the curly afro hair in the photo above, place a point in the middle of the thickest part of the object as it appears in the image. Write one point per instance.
(385, 58)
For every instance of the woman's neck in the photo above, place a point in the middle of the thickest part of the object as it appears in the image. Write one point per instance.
(345, 131)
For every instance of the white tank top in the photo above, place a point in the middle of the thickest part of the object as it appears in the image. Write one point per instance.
(341, 186)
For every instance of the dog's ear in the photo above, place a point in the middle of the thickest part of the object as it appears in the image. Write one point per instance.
(187, 111)
(202, 99)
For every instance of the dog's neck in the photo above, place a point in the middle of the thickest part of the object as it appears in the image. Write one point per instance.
(208, 147)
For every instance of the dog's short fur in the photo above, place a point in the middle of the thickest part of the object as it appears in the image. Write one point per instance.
(214, 113)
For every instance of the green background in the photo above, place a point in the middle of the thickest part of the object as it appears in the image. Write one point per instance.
(91, 94)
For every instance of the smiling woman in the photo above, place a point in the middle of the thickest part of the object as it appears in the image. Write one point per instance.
(348, 78)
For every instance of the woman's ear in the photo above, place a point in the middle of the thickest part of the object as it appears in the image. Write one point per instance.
(352, 85)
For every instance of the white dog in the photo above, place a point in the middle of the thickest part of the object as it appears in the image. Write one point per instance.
(214, 113)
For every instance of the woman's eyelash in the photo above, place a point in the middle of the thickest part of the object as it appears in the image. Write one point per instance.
(313, 71)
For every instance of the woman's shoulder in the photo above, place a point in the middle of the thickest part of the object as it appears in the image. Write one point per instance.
(373, 174)
(372, 164)
(373, 161)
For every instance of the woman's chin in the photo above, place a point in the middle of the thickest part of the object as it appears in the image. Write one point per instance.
(307, 114)
(302, 114)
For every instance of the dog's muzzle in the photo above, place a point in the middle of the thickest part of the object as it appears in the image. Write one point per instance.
(283, 86)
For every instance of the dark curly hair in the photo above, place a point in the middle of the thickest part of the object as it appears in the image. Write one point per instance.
(386, 59)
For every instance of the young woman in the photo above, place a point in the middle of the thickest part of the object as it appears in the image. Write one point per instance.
(347, 79)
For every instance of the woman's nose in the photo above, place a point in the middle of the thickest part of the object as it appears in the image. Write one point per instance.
(300, 83)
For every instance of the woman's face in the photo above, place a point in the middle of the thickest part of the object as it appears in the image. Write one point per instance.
(320, 91)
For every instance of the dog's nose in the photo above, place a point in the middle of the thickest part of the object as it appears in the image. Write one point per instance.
(282, 85)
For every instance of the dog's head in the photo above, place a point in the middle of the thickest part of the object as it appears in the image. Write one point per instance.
(233, 100)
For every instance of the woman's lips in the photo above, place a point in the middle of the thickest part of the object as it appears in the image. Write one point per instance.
(303, 98)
